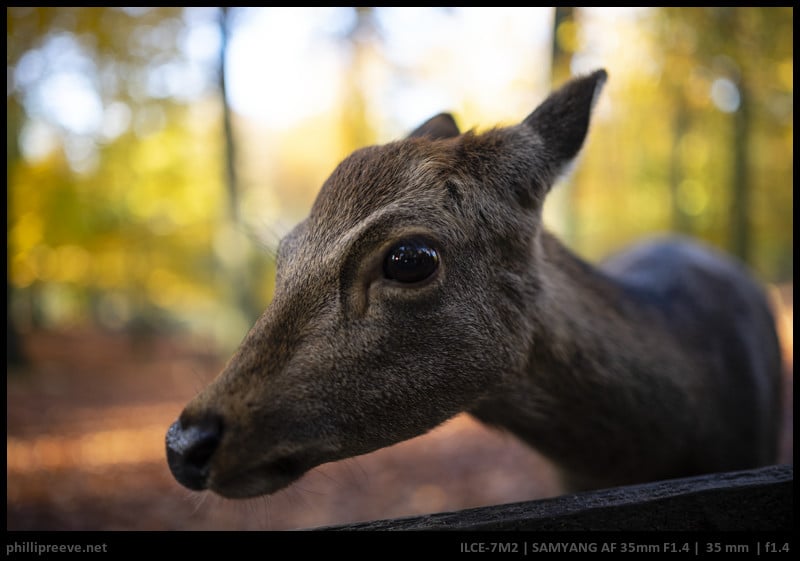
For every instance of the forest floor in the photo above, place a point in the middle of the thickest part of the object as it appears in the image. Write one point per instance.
(85, 448)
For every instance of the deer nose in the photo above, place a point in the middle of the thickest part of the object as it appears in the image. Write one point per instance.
(190, 446)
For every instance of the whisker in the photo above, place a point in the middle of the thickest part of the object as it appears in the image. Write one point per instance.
(264, 236)
(324, 473)
(266, 501)
(363, 482)
(198, 500)
(258, 517)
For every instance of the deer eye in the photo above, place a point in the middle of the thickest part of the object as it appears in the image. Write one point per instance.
(410, 261)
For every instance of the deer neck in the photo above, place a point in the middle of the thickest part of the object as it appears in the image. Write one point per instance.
(599, 357)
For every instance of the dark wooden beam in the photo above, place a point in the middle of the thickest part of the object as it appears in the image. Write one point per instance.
(751, 500)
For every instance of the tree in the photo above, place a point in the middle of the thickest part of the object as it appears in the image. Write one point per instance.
(564, 45)
(735, 53)
(115, 250)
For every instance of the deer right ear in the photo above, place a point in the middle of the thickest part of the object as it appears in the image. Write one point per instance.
(441, 126)
(562, 120)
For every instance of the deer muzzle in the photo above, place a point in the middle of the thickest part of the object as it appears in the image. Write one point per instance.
(190, 448)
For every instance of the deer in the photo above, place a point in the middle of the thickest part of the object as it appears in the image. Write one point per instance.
(423, 284)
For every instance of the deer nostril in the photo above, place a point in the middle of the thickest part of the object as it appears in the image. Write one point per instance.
(190, 446)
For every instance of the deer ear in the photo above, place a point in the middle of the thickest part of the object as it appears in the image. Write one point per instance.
(562, 120)
(441, 126)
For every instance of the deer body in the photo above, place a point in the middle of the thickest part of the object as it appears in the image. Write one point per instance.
(423, 284)
(698, 393)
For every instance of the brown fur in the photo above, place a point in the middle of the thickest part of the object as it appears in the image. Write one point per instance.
(663, 364)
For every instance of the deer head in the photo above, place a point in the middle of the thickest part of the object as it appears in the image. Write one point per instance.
(406, 297)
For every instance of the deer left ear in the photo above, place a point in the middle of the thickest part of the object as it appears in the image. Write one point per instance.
(562, 120)
(441, 126)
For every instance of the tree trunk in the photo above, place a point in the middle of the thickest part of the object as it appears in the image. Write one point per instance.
(230, 145)
(561, 55)
(242, 283)
(566, 197)
(740, 182)
(680, 221)
(14, 352)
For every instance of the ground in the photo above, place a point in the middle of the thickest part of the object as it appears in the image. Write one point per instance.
(85, 449)
(86, 425)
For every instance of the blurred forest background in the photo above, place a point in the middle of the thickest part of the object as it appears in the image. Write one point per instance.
(156, 155)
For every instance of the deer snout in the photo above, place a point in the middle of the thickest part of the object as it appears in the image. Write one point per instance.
(190, 446)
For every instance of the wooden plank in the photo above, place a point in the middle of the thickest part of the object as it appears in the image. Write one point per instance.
(750, 500)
